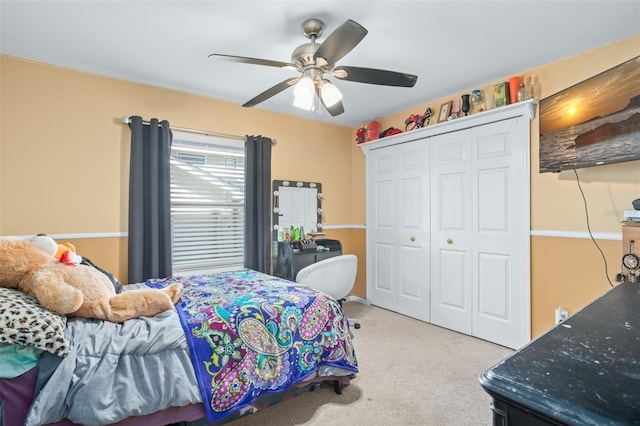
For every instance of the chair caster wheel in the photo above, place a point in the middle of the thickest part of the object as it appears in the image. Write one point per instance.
(356, 326)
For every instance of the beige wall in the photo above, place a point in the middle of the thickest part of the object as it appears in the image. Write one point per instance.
(64, 168)
(64, 153)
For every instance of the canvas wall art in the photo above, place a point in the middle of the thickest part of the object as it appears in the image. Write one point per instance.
(594, 122)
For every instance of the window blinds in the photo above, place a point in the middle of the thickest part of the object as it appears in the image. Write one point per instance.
(207, 204)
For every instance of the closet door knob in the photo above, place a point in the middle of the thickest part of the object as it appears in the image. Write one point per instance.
(449, 241)
(412, 238)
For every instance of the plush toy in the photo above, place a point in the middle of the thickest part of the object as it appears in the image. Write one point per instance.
(75, 289)
(66, 253)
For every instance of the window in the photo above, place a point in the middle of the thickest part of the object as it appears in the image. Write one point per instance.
(207, 204)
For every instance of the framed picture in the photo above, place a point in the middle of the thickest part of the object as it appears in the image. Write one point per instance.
(501, 94)
(594, 122)
(445, 109)
(455, 108)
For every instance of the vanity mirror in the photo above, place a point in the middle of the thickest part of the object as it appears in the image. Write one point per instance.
(296, 205)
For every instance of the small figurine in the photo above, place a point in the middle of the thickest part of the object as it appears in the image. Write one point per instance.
(360, 134)
(416, 121)
(455, 109)
(390, 132)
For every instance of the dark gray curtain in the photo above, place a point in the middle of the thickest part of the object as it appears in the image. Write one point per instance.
(149, 200)
(257, 204)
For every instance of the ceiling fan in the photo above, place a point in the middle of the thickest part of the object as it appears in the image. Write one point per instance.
(316, 61)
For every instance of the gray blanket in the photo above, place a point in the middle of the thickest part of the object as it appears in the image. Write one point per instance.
(115, 371)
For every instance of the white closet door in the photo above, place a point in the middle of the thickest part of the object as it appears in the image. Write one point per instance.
(381, 232)
(412, 206)
(448, 224)
(501, 232)
(398, 229)
(451, 212)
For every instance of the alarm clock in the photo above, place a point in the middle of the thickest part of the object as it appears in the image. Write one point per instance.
(631, 261)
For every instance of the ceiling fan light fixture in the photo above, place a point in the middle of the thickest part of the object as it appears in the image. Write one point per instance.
(304, 88)
(303, 102)
(331, 95)
(303, 93)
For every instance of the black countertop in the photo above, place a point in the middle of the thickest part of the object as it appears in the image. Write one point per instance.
(585, 370)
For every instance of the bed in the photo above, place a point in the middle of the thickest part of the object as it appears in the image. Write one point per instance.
(236, 343)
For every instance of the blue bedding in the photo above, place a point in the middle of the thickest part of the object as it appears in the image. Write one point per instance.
(233, 337)
(115, 371)
(251, 334)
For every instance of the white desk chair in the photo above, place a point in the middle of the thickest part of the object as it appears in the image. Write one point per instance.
(334, 276)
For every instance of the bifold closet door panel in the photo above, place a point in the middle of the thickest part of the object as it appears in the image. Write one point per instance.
(398, 229)
(451, 213)
(501, 232)
(413, 236)
(381, 267)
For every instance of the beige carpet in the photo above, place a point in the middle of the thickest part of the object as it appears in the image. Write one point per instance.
(411, 373)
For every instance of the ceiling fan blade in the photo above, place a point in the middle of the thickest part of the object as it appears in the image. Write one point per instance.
(375, 76)
(272, 91)
(254, 61)
(340, 42)
(335, 109)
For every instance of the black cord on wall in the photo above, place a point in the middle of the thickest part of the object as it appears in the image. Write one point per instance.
(586, 213)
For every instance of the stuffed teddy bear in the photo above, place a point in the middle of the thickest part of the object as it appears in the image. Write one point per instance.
(66, 253)
(75, 289)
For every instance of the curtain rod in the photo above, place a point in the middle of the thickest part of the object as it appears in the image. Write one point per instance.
(127, 120)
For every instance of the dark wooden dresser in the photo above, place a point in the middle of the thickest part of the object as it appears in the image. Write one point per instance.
(289, 261)
(584, 371)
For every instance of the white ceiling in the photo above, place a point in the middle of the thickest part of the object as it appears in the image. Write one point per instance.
(452, 46)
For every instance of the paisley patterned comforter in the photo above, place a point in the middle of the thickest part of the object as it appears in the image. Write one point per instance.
(237, 342)
(250, 334)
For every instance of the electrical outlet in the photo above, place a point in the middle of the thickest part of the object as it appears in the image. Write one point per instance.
(561, 314)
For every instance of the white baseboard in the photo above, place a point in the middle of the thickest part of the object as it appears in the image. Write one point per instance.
(357, 299)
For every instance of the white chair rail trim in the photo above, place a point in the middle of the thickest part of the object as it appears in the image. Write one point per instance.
(81, 236)
(615, 236)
